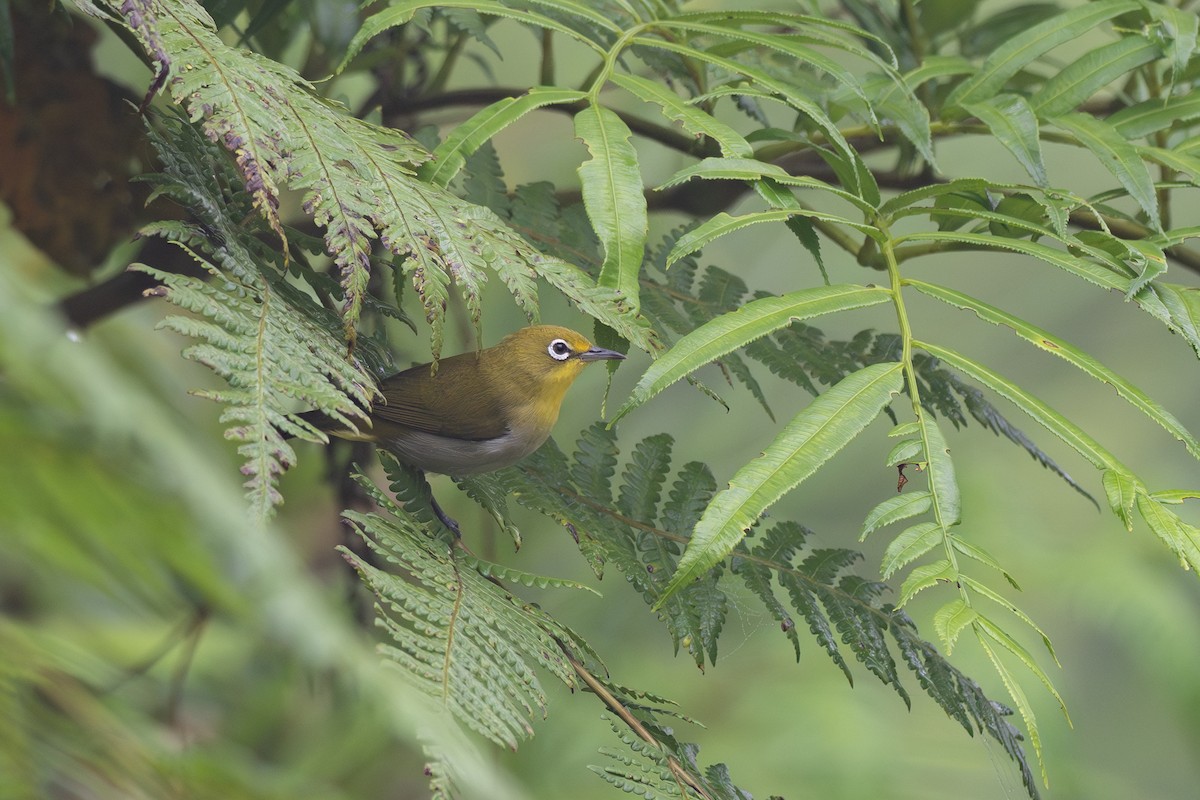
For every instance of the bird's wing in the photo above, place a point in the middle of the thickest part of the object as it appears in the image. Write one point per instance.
(447, 404)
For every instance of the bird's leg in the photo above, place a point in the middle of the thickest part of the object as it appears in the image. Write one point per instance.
(446, 519)
(426, 491)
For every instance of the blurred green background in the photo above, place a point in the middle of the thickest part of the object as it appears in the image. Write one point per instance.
(104, 556)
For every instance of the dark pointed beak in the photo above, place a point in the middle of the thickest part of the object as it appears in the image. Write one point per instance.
(600, 354)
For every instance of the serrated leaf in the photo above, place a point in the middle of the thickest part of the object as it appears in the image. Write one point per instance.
(949, 621)
(894, 509)
(925, 576)
(1015, 125)
(911, 544)
(1182, 538)
(1091, 72)
(750, 169)
(1156, 114)
(1001, 637)
(906, 451)
(723, 223)
(827, 425)
(977, 553)
(1019, 699)
(1117, 156)
(911, 197)
(465, 139)
(728, 332)
(1180, 27)
(1177, 160)
(1069, 353)
(1175, 496)
(943, 485)
(1150, 262)
(1093, 273)
(1041, 413)
(1016, 53)
(694, 120)
(998, 599)
(611, 183)
(892, 99)
(764, 79)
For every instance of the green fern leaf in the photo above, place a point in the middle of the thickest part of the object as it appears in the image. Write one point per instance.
(272, 344)
(816, 433)
(851, 610)
(595, 462)
(490, 569)
(357, 179)
(910, 545)
(459, 637)
(643, 478)
(894, 509)
(491, 497)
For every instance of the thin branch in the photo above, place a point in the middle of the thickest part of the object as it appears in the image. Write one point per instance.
(88, 306)
(482, 96)
(680, 774)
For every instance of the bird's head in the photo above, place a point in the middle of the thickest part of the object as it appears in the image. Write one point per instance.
(548, 357)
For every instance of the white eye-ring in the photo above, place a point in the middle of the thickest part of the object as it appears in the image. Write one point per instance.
(559, 350)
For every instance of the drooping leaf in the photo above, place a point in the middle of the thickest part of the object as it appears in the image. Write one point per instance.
(466, 138)
(1015, 125)
(612, 193)
(695, 121)
(1117, 156)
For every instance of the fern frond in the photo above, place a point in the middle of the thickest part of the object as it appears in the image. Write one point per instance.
(358, 180)
(273, 345)
(669, 771)
(459, 637)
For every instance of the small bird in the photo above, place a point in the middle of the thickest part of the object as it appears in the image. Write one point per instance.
(480, 411)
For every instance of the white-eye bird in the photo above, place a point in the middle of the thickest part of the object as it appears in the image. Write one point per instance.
(480, 411)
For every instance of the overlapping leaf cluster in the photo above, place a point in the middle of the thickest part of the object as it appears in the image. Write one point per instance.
(643, 523)
(359, 181)
(273, 345)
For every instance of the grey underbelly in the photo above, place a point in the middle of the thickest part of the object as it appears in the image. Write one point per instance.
(448, 456)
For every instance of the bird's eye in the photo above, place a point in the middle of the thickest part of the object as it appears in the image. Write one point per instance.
(559, 350)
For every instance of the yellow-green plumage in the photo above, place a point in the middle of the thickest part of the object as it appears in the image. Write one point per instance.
(479, 411)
